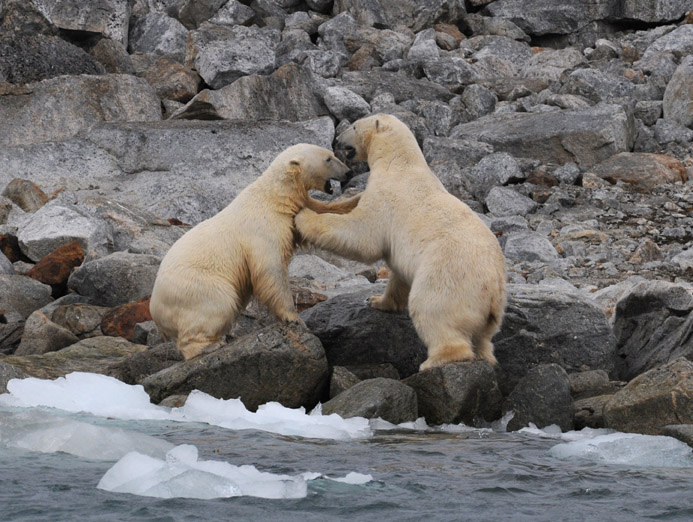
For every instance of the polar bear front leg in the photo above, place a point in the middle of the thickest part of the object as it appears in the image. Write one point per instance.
(270, 280)
(354, 235)
(395, 297)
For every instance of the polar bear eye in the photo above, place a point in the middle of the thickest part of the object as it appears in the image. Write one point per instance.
(329, 159)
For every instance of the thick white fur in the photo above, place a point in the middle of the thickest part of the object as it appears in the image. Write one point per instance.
(447, 266)
(208, 276)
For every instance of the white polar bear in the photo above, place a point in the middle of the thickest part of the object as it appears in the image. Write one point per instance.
(209, 275)
(447, 266)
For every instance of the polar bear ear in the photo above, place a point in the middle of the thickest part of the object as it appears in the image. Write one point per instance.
(295, 167)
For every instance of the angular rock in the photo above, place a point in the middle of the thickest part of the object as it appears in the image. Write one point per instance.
(235, 13)
(678, 96)
(147, 333)
(286, 94)
(451, 71)
(41, 335)
(640, 171)
(19, 17)
(31, 58)
(543, 325)
(11, 330)
(345, 104)
(492, 170)
(550, 64)
(678, 42)
(172, 81)
(55, 268)
(158, 33)
(655, 399)
(121, 320)
(226, 54)
(77, 103)
(94, 355)
(139, 366)
(341, 380)
(354, 333)
(585, 137)
(193, 12)
(666, 132)
(589, 412)
(529, 247)
(83, 320)
(54, 226)
(478, 101)
(652, 324)
(682, 432)
(508, 202)
(387, 399)
(541, 397)
(25, 194)
(113, 56)
(283, 363)
(109, 18)
(7, 373)
(457, 392)
(597, 86)
(116, 279)
(582, 383)
(410, 13)
(23, 294)
(9, 245)
(369, 83)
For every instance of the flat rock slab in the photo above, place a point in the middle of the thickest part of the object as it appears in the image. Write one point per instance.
(542, 397)
(585, 137)
(458, 392)
(640, 171)
(94, 355)
(282, 363)
(655, 399)
(188, 170)
(387, 399)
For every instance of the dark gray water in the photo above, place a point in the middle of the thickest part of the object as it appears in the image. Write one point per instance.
(477, 475)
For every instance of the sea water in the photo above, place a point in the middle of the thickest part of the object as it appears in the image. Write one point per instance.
(88, 447)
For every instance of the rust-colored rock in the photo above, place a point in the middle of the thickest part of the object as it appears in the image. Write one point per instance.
(362, 59)
(9, 245)
(304, 298)
(542, 178)
(172, 81)
(452, 30)
(121, 320)
(25, 194)
(640, 171)
(55, 268)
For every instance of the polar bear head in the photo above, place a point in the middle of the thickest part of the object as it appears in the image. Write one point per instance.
(357, 139)
(313, 166)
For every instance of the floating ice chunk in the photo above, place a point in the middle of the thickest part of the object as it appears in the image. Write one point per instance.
(108, 397)
(628, 449)
(272, 417)
(355, 478)
(551, 432)
(183, 475)
(84, 392)
(35, 430)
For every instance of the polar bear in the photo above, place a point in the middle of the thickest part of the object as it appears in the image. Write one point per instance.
(446, 265)
(209, 275)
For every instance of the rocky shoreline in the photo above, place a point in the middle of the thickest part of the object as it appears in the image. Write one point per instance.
(568, 128)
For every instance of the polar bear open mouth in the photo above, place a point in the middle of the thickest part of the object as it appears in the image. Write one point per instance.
(328, 187)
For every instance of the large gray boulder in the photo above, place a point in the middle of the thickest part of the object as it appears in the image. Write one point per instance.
(652, 324)
(282, 362)
(678, 96)
(23, 294)
(655, 399)
(459, 392)
(415, 14)
(286, 94)
(221, 55)
(116, 279)
(158, 33)
(26, 59)
(388, 399)
(550, 64)
(585, 137)
(353, 333)
(76, 103)
(541, 397)
(109, 18)
(597, 86)
(41, 335)
(53, 226)
(678, 42)
(529, 247)
(544, 325)
(188, 170)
